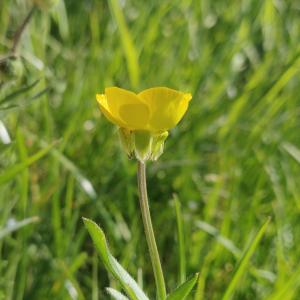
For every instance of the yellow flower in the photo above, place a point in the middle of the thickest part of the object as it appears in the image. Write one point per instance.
(156, 109)
(143, 118)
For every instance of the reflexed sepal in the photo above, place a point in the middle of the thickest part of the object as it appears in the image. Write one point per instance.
(158, 144)
(126, 139)
(142, 143)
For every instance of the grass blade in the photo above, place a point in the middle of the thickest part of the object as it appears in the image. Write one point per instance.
(84, 182)
(19, 92)
(244, 261)
(289, 286)
(181, 240)
(7, 109)
(10, 107)
(8, 175)
(224, 241)
(38, 95)
(95, 293)
(5, 147)
(292, 150)
(182, 291)
(16, 226)
(127, 42)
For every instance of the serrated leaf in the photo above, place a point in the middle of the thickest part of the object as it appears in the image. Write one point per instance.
(8, 175)
(125, 280)
(115, 294)
(182, 291)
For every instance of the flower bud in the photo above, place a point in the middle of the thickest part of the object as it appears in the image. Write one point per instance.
(11, 68)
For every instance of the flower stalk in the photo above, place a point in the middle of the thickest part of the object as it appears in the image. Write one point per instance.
(158, 274)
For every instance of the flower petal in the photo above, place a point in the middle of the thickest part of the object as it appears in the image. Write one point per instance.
(126, 107)
(166, 107)
(105, 110)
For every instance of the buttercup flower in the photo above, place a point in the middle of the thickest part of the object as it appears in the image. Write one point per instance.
(143, 118)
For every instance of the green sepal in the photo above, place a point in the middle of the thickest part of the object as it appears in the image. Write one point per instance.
(142, 143)
(157, 148)
(182, 291)
(125, 280)
(126, 141)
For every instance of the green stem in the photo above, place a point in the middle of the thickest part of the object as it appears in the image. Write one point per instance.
(158, 274)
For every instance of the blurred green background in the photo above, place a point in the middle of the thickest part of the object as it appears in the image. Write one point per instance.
(233, 159)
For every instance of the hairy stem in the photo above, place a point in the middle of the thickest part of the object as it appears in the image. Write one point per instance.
(158, 274)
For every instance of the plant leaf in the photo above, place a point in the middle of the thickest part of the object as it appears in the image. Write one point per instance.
(125, 280)
(244, 260)
(182, 291)
(115, 294)
(8, 175)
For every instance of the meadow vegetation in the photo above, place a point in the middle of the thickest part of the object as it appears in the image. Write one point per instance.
(233, 160)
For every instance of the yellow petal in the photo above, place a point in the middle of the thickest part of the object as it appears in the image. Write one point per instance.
(105, 110)
(126, 107)
(166, 107)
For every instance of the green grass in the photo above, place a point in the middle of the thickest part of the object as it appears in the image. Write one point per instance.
(233, 160)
